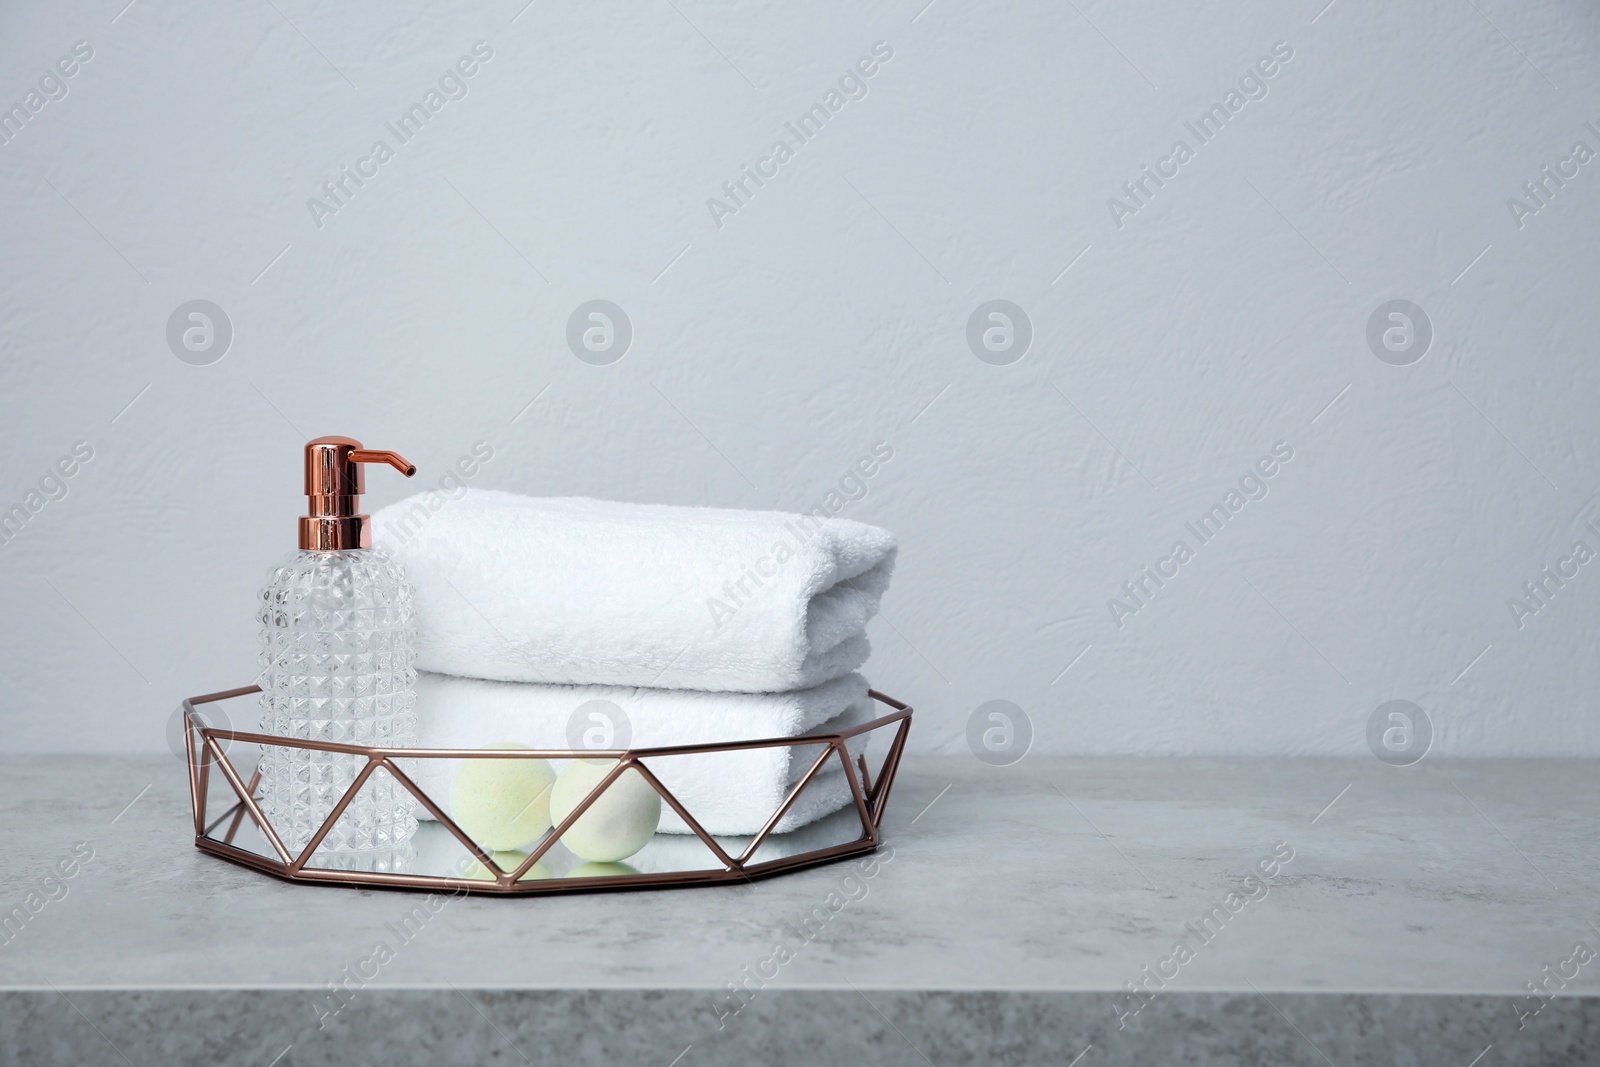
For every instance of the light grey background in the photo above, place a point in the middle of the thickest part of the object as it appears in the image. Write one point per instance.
(828, 314)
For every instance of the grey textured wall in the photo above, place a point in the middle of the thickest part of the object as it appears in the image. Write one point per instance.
(1174, 332)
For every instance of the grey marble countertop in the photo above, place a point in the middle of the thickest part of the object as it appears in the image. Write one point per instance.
(1049, 875)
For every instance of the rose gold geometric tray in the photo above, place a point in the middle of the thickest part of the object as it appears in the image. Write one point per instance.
(229, 821)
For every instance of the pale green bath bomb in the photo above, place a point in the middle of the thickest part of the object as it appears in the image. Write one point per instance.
(600, 870)
(620, 821)
(507, 861)
(502, 803)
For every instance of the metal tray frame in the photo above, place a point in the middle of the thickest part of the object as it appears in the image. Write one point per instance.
(204, 745)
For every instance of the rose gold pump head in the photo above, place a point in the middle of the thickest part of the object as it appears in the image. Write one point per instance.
(334, 483)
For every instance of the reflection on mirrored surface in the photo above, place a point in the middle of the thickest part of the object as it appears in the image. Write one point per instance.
(434, 851)
(601, 870)
(507, 861)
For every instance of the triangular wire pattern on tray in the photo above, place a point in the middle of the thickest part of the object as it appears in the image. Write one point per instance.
(869, 795)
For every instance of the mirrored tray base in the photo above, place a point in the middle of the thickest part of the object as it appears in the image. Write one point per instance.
(229, 821)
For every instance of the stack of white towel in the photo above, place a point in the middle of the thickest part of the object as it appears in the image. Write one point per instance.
(537, 618)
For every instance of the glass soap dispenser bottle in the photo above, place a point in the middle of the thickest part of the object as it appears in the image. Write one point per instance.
(337, 648)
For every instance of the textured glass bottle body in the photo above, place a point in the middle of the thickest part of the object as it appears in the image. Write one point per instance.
(337, 648)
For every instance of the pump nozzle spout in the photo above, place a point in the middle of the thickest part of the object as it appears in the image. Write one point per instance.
(393, 459)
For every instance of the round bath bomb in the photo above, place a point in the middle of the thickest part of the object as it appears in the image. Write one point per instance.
(620, 820)
(507, 861)
(600, 870)
(502, 803)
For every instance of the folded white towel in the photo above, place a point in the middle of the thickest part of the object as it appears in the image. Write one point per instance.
(731, 792)
(577, 591)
